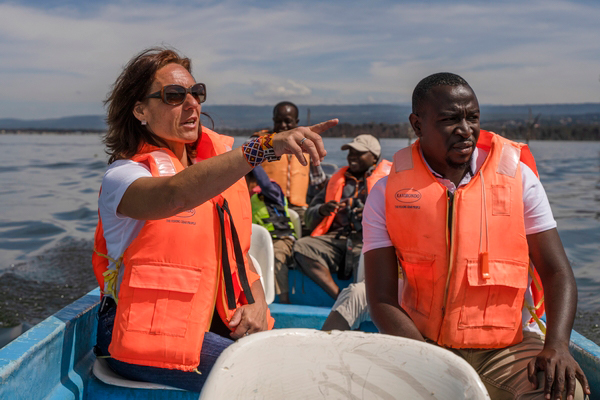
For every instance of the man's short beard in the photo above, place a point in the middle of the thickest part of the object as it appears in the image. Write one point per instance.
(454, 165)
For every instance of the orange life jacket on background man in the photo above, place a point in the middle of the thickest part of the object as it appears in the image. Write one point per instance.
(178, 270)
(335, 188)
(291, 176)
(464, 285)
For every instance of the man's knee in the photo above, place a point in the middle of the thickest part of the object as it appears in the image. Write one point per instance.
(301, 250)
(301, 261)
(351, 304)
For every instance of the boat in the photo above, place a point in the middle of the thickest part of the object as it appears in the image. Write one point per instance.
(54, 359)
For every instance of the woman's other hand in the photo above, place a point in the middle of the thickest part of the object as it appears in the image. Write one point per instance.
(303, 139)
(250, 318)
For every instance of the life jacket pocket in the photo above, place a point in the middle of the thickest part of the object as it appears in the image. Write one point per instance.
(418, 285)
(496, 301)
(161, 299)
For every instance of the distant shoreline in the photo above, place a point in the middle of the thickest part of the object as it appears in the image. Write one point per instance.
(558, 129)
(50, 131)
(249, 117)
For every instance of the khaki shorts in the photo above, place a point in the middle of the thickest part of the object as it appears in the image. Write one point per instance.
(327, 250)
(504, 371)
(282, 249)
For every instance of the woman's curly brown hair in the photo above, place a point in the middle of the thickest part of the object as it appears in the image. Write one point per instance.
(125, 132)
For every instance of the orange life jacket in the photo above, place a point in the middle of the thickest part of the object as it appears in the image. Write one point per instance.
(291, 176)
(463, 287)
(335, 188)
(176, 273)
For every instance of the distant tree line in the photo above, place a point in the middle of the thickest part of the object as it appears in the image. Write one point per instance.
(513, 130)
(546, 130)
(379, 130)
(51, 131)
(583, 127)
(568, 133)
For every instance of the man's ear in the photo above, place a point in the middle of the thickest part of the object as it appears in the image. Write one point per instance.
(138, 111)
(415, 122)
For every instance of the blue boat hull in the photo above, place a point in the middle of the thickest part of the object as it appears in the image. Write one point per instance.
(53, 360)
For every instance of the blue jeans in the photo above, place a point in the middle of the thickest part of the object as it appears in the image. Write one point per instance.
(212, 346)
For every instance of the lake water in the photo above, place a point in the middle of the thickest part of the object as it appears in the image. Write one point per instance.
(48, 211)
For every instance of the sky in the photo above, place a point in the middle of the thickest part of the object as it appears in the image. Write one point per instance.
(60, 57)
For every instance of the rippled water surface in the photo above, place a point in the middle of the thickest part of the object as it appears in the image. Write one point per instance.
(48, 192)
(48, 211)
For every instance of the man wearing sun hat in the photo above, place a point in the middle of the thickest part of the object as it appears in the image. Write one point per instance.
(334, 216)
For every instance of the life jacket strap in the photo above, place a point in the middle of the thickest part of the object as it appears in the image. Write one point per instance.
(239, 258)
(110, 276)
(536, 282)
(534, 317)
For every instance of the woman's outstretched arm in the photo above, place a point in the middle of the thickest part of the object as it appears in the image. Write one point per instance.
(162, 197)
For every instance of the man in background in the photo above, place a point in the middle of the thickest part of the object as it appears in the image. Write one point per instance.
(293, 177)
(335, 216)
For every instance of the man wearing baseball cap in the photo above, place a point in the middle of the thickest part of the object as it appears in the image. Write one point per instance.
(363, 143)
(334, 216)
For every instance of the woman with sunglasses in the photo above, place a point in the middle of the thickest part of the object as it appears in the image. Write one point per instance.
(170, 251)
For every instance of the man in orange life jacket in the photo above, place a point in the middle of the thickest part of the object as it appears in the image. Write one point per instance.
(459, 210)
(294, 179)
(335, 215)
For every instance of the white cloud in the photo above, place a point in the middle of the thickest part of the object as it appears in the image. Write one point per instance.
(287, 89)
(58, 62)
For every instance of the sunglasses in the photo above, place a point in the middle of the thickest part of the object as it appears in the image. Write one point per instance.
(175, 94)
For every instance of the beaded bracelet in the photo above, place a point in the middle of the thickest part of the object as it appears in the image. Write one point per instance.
(259, 149)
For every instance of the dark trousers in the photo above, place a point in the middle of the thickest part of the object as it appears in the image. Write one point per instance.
(212, 346)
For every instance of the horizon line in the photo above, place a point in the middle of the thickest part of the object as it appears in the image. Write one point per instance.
(326, 105)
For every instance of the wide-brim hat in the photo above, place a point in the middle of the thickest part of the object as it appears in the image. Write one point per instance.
(364, 143)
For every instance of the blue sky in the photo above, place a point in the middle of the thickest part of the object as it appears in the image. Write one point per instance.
(59, 58)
